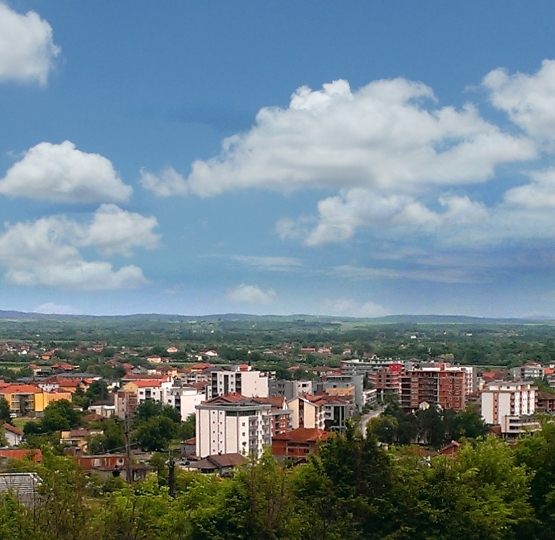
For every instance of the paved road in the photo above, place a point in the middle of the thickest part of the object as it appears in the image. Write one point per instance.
(368, 416)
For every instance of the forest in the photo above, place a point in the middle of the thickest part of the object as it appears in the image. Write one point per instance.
(354, 488)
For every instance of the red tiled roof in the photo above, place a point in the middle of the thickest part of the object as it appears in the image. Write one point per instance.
(33, 454)
(303, 434)
(20, 389)
(12, 429)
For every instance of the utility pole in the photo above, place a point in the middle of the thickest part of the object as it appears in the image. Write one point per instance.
(171, 474)
(128, 473)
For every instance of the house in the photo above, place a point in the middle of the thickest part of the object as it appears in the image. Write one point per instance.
(451, 449)
(223, 464)
(22, 485)
(545, 402)
(77, 438)
(112, 465)
(298, 443)
(30, 454)
(13, 435)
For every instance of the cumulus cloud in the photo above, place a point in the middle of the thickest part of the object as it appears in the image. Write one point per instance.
(114, 230)
(391, 153)
(27, 50)
(45, 252)
(529, 100)
(166, 184)
(60, 172)
(79, 275)
(380, 137)
(251, 294)
(540, 193)
(350, 308)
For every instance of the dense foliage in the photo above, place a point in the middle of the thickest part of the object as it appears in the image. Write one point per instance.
(354, 489)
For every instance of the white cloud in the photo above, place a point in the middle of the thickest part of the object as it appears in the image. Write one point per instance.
(51, 308)
(529, 100)
(114, 230)
(45, 252)
(350, 308)
(251, 294)
(421, 272)
(166, 184)
(380, 137)
(275, 264)
(27, 51)
(60, 172)
(540, 193)
(79, 275)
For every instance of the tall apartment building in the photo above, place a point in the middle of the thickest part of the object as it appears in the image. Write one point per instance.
(386, 380)
(238, 380)
(182, 398)
(289, 389)
(359, 367)
(441, 385)
(233, 424)
(308, 412)
(510, 405)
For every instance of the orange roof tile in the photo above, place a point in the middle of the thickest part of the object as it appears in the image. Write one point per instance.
(33, 454)
(20, 389)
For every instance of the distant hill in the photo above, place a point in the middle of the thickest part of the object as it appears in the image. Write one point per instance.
(388, 319)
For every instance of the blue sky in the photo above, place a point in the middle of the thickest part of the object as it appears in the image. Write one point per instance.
(358, 158)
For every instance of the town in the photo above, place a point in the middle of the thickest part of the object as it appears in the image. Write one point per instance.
(174, 410)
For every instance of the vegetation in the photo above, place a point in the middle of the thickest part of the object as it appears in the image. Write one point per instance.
(354, 489)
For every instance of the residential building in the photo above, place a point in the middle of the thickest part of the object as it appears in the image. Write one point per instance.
(289, 389)
(510, 405)
(29, 399)
(13, 435)
(386, 380)
(528, 372)
(441, 385)
(238, 379)
(298, 443)
(232, 424)
(223, 464)
(308, 411)
(184, 399)
(24, 486)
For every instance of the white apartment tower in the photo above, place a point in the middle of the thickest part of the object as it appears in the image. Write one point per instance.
(232, 424)
(510, 405)
(238, 380)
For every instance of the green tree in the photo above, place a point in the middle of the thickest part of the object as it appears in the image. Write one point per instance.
(154, 434)
(5, 411)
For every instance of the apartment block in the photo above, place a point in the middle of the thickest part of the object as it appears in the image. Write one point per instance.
(511, 405)
(233, 424)
(441, 385)
(289, 389)
(238, 380)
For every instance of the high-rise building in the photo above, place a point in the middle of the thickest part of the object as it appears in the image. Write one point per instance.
(238, 379)
(510, 405)
(439, 385)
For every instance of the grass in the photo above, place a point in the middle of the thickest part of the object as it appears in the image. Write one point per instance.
(20, 421)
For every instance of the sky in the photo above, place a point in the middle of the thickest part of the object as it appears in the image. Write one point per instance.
(318, 157)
